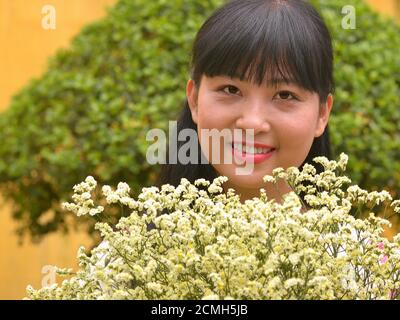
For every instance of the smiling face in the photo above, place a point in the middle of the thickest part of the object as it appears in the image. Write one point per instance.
(285, 117)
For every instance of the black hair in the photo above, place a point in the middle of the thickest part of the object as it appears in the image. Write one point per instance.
(259, 41)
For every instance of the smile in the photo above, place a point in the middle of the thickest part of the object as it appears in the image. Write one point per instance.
(251, 153)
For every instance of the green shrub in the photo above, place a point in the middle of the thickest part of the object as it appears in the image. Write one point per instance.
(367, 101)
(90, 112)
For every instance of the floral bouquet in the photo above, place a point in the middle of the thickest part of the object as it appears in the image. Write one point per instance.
(197, 242)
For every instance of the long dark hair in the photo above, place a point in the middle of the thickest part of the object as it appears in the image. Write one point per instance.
(250, 39)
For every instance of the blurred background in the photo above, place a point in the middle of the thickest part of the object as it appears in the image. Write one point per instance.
(25, 50)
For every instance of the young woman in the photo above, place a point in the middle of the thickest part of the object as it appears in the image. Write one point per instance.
(264, 66)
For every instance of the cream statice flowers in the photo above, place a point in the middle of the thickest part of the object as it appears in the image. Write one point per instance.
(197, 242)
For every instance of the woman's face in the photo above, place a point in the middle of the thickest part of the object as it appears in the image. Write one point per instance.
(286, 117)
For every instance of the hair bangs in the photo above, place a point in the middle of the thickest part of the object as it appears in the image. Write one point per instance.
(264, 43)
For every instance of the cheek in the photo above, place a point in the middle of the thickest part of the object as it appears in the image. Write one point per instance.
(300, 129)
(296, 135)
(295, 132)
(212, 114)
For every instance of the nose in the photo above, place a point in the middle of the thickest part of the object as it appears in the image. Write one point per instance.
(254, 115)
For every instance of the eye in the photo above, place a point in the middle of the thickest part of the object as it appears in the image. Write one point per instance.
(286, 95)
(230, 89)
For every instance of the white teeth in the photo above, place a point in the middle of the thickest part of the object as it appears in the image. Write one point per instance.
(251, 150)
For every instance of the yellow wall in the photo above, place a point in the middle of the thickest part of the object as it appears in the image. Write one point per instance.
(389, 8)
(25, 45)
(25, 48)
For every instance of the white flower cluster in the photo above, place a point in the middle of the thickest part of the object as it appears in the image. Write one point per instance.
(211, 246)
(83, 203)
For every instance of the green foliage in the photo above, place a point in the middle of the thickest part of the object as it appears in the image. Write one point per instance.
(90, 112)
(366, 121)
